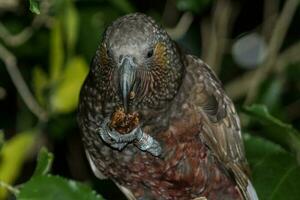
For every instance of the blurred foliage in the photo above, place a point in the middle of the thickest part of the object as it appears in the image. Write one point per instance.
(65, 97)
(13, 156)
(41, 183)
(53, 49)
(34, 6)
(275, 130)
(192, 5)
(1, 139)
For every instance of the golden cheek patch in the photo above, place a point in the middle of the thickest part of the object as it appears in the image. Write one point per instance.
(160, 54)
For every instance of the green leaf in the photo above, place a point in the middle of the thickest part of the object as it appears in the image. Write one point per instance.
(105, 15)
(271, 92)
(34, 7)
(1, 139)
(123, 5)
(44, 162)
(55, 187)
(192, 5)
(70, 20)
(40, 84)
(56, 52)
(13, 156)
(277, 131)
(275, 172)
(65, 98)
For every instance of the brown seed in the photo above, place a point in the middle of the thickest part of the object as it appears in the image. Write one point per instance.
(124, 122)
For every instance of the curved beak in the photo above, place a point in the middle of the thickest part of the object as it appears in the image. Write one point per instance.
(127, 69)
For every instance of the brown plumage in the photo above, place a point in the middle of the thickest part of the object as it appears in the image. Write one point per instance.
(184, 141)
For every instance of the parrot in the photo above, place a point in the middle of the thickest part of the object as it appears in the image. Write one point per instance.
(157, 122)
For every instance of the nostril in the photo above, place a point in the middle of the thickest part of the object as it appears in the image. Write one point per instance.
(134, 60)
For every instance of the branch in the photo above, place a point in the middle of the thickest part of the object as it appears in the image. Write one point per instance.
(275, 44)
(10, 62)
(271, 9)
(240, 86)
(214, 34)
(182, 26)
(9, 188)
(21, 37)
(290, 55)
(15, 40)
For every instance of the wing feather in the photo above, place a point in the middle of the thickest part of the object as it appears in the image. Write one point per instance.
(221, 125)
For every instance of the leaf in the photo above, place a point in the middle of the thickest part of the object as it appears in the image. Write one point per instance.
(277, 131)
(40, 84)
(55, 187)
(70, 21)
(104, 15)
(123, 5)
(34, 7)
(13, 156)
(271, 92)
(44, 162)
(192, 5)
(65, 97)
(275, 172)
(56, 52)
(1, 139)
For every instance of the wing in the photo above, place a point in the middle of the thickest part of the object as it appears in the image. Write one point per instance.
(221, 125)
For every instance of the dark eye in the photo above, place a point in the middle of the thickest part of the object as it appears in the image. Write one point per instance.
(108, 52)
(150, 53)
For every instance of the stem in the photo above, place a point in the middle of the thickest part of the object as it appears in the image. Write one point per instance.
(10, 188)
(275, 44)
(271, 8)
(214, 33)
(290, 55)
(10, 60)
(11, 65)
(239, 87)
(24, 35)
(182, 26)
(15, 40)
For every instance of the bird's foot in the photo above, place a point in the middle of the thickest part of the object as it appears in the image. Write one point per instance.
(147, 143)
(114, 138)
(200, 198)
(142, 140)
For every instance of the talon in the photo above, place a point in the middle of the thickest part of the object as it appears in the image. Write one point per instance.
(118, 141)
(119, 146)
(114, 138)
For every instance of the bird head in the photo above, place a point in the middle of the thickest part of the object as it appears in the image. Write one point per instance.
(140, 62)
